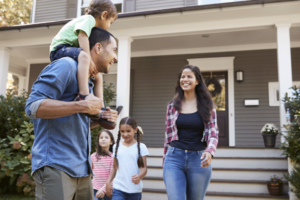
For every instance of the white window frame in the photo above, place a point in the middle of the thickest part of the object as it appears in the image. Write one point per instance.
(273, 87)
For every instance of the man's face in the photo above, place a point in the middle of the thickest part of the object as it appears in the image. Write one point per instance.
(106, 57)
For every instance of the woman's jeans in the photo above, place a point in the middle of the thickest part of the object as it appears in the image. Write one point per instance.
(184, 178)
(104, 198)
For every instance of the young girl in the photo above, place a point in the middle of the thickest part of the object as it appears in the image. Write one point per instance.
(102, 163)
(130, 165)
(72, 41)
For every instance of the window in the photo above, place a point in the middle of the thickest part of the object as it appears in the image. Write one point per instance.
(205, 2)
(274, 93)
(12, 84)
(86, 3)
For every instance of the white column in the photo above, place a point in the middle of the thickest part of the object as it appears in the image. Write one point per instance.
(284, 77)
(4, 65)
(123, 78)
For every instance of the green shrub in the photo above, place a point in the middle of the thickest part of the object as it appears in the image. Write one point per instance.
(291, 146)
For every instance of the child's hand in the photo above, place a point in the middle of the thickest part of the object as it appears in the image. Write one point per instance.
(136, 179)
(100, 194)
(109, 190)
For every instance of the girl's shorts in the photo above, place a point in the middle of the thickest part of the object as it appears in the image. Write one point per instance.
(65, 50)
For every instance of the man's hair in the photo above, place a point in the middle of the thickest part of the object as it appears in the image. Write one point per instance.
(99, 35)
(97, 7)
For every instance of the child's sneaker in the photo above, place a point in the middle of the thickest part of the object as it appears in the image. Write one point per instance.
(104, 123)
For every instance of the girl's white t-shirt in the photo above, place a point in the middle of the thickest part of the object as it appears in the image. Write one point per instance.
(127, 159)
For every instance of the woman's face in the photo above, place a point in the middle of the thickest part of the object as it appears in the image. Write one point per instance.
(188, 81)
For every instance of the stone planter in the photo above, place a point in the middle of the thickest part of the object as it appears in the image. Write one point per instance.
(275, 189)
(269, 140)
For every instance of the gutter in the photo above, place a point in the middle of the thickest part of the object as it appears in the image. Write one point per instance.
(154, 12)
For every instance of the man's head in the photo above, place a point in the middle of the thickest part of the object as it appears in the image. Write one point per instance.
(103, 48)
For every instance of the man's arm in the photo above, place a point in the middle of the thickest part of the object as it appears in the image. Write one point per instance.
(50, 109)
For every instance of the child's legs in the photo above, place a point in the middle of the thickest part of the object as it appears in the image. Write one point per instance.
(133, 196)
(83, 60)
(106, 197)
(83, 72)
(98, 87)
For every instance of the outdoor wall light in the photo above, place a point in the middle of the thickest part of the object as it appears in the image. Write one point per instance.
(239, 76)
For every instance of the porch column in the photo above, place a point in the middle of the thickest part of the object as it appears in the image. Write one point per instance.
(123, 77)
(284, 78)
(4, 65)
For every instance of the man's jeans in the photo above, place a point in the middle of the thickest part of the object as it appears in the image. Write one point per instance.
(184, 178)
(119, 195)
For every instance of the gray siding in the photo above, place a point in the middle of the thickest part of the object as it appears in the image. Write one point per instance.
(35, 70)
(55, 10)
(158, 4)
(154, 83)
(191, 2)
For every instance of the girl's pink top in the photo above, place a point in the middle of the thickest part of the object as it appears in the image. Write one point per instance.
(101, 169)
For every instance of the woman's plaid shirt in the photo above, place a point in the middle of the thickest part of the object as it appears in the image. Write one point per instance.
(210, 134)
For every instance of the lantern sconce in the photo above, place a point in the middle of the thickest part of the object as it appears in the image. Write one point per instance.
(239, 76)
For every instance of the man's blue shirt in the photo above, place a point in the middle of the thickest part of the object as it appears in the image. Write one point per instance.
(63, 143)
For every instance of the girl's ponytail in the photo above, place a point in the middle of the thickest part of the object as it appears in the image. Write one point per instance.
(140, 161)
(116, 163)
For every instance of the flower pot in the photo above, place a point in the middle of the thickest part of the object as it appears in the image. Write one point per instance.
(275, 189)
(269, 140)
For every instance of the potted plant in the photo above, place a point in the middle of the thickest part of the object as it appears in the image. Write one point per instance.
(269, 133)
(275, 185)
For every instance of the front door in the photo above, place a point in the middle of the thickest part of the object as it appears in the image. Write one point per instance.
(217, 84)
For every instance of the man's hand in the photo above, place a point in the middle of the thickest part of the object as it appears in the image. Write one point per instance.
(110, 115)
(92, 104)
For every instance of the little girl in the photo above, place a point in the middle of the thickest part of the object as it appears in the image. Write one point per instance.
(102, 164)
(72, 41)
(130, 165)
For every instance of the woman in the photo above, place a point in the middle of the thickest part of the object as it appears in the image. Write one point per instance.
(191, 138)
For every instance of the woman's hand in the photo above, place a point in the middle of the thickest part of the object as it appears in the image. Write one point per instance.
(136, 179)
(206, 162)
(100, 194)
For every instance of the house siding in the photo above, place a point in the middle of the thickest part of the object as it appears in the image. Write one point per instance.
(154, 84)
(51, 10)
(141, 5)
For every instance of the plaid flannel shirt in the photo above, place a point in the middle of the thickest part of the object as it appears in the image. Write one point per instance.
(210, 134)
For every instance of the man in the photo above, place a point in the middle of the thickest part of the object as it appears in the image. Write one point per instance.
(61, 164)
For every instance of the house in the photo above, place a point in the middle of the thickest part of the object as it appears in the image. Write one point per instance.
(258, 38)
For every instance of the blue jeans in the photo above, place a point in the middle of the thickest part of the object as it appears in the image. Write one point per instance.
(120, 195)
(104, 198)
(65, 50)
(184, 178)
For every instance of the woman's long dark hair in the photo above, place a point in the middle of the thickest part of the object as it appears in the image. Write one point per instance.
(204, 101)
(99, 150)
(131, 122)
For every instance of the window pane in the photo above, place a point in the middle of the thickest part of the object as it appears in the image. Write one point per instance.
(12, 83)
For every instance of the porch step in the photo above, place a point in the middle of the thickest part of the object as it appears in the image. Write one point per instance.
(232, 173)
(160, 194)
(241, 172)
(220, 185)
(236, 162)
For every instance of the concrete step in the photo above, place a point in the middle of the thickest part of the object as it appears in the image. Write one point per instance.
(233, 173)
(234, 152)
(220, 185)
(150, 194)
(235, 162)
